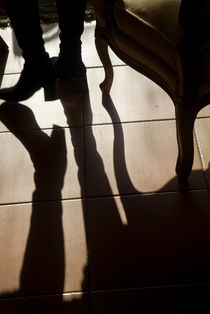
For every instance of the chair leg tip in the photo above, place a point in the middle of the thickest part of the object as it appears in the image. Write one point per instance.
(183, 178)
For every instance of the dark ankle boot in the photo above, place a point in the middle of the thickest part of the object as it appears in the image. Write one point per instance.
(72, 76)
(67, 68)
(35, 75)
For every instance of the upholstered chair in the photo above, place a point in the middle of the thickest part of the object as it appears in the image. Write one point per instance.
(145, 35)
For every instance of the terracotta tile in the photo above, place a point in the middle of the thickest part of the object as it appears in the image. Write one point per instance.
(43, 249)
(57, 156)
(159, 300)
(134, 96)
(71, 303)
(134, 158)
(202, 127)
(149, 240)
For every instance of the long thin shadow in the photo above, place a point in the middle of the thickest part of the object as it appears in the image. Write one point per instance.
(81, 104)
(43, 266)
(120, 168)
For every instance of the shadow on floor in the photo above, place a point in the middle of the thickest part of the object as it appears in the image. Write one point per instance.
(134, 241)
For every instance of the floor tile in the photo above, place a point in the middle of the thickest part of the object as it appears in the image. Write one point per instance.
(202, 127)
(174, 300)
(141, 100)
(133, 96)
(89, 53)
(71, 303)
(43, 249)
(40, 164)
(134, 158)
(146, 252)
(47, 113)
(149, 240)
(205, 112)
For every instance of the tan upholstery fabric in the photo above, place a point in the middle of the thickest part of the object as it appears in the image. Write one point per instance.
(153, 24)
(149, 61)
(159, 14)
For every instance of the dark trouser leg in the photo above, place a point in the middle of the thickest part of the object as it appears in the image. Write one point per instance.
(71, 24)
(24, 17)
(38, 71)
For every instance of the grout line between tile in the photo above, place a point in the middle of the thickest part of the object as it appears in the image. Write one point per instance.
(102, 67)
(93, 125)
(43, 296)
(129, 122)
(204, 117)
(98, 197)
(167, 286)
(195, 285)
(87, 67)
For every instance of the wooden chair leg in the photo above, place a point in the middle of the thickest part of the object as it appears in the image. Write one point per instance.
(102, 49)
(185, 118)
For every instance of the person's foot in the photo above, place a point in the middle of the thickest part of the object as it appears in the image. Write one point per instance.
(35, 75)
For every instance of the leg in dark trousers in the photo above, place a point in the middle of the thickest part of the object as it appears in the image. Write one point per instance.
(71, 25)
(24, 18)
(38, 70)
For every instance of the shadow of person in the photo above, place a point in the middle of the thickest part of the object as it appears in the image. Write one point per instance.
(43, 269)
(162, 240)
(142, 240)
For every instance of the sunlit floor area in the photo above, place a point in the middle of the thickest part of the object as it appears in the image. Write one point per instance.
(92, 217)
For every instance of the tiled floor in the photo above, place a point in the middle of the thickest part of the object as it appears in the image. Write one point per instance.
(92, 218)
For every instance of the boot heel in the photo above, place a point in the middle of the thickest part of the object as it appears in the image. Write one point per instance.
(51, 91)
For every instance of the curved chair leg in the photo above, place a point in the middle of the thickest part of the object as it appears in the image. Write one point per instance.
(185, 118)
(102, 49)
